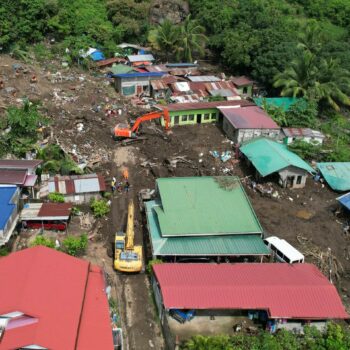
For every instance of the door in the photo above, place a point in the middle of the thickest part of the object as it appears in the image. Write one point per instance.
(176, 120)
(199, 118)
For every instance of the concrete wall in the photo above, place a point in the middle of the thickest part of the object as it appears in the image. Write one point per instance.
(241, 135)
(308, 139)
(82, 197)
(193, 116)
(292, 177)
(246, 91)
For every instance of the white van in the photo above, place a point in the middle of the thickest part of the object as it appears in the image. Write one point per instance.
(282, 251)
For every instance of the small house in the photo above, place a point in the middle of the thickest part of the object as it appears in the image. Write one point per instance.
(46, 216)
(9, 202)
(270, 158)
(51, 300)
(245, 123)
(131, 84)
(78, 188)
(198, 112)
(210, 299)
(244, 85)
(308, 135)
(133, 49)
(337, 175)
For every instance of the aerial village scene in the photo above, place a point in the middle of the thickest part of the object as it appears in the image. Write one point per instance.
(174, 175)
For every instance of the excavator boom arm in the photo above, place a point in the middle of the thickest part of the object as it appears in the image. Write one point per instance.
(129, 244)
(153, 115)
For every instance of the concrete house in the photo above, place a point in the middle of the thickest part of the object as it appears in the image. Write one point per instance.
(140, 60)
(76, 189)
(9, 200)
(245, 123)
(210, 299)
(203, 217)
(198, 112)
(131, 84)
(272, 158)
(308, 135)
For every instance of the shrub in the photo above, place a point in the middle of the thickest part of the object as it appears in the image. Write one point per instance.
(107, 195)
(4, 251)
(99, 207)
(75, 245)
(41, 240)
(76, 211)
(56, 197)
(151, 263)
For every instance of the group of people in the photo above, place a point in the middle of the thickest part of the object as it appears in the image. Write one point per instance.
(123, 185)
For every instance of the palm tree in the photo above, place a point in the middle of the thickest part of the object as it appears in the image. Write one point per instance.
(297, 79)
(332, 85)
(164, 38)
(191, 40)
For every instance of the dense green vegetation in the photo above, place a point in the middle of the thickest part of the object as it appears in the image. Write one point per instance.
(335, 338)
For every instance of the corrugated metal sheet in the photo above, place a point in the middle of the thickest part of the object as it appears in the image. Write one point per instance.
(159, 85)
(269, 156)
(304, 132)
(140, 58)
(233, 245)
(55, 209)
(203, 78)
(12, 177)
(345, 200)
(157, 68)
(6, 205)
(251, 117)
(283, 290)
(19, 164)
(77, 184)
(205, 207)
(183, 72)
(242, 81)
(337, 174)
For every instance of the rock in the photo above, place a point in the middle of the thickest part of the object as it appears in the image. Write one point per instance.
(173, 10)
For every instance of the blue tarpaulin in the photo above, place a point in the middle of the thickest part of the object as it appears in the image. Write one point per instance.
(345, 200)
(97, 56)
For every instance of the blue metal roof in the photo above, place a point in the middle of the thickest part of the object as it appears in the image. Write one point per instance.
(345, 200)
(6, 207)
(138, 75)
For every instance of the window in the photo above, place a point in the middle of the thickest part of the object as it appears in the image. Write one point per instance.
(299, 180)
(206, 116)
(245, 90)
(191, 117)
(213, 116)
(184, 118)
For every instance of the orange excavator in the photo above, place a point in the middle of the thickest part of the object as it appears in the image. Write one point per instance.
(126, 131)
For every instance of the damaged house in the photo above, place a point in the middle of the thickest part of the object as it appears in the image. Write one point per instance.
(270, 158)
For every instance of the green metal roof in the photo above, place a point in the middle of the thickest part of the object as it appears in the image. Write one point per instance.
(269, 156)
(121, 69)
(337, 175)
(200, 246)
(193, 206)
(279, 102)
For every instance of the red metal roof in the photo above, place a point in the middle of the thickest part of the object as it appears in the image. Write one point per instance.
(283, 290)
(65, 294)
(55, 209)
(109, 61)
(13, 177)
(205, 105)
(251, 117)
(30, 180)
(19, 164)
(242, 81)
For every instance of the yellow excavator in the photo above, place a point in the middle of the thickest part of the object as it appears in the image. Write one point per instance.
(128, 257)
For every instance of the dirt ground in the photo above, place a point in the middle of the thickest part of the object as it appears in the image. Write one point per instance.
(81, 98)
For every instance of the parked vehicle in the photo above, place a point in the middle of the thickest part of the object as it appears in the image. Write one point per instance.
(182, 315)
(282, 251)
